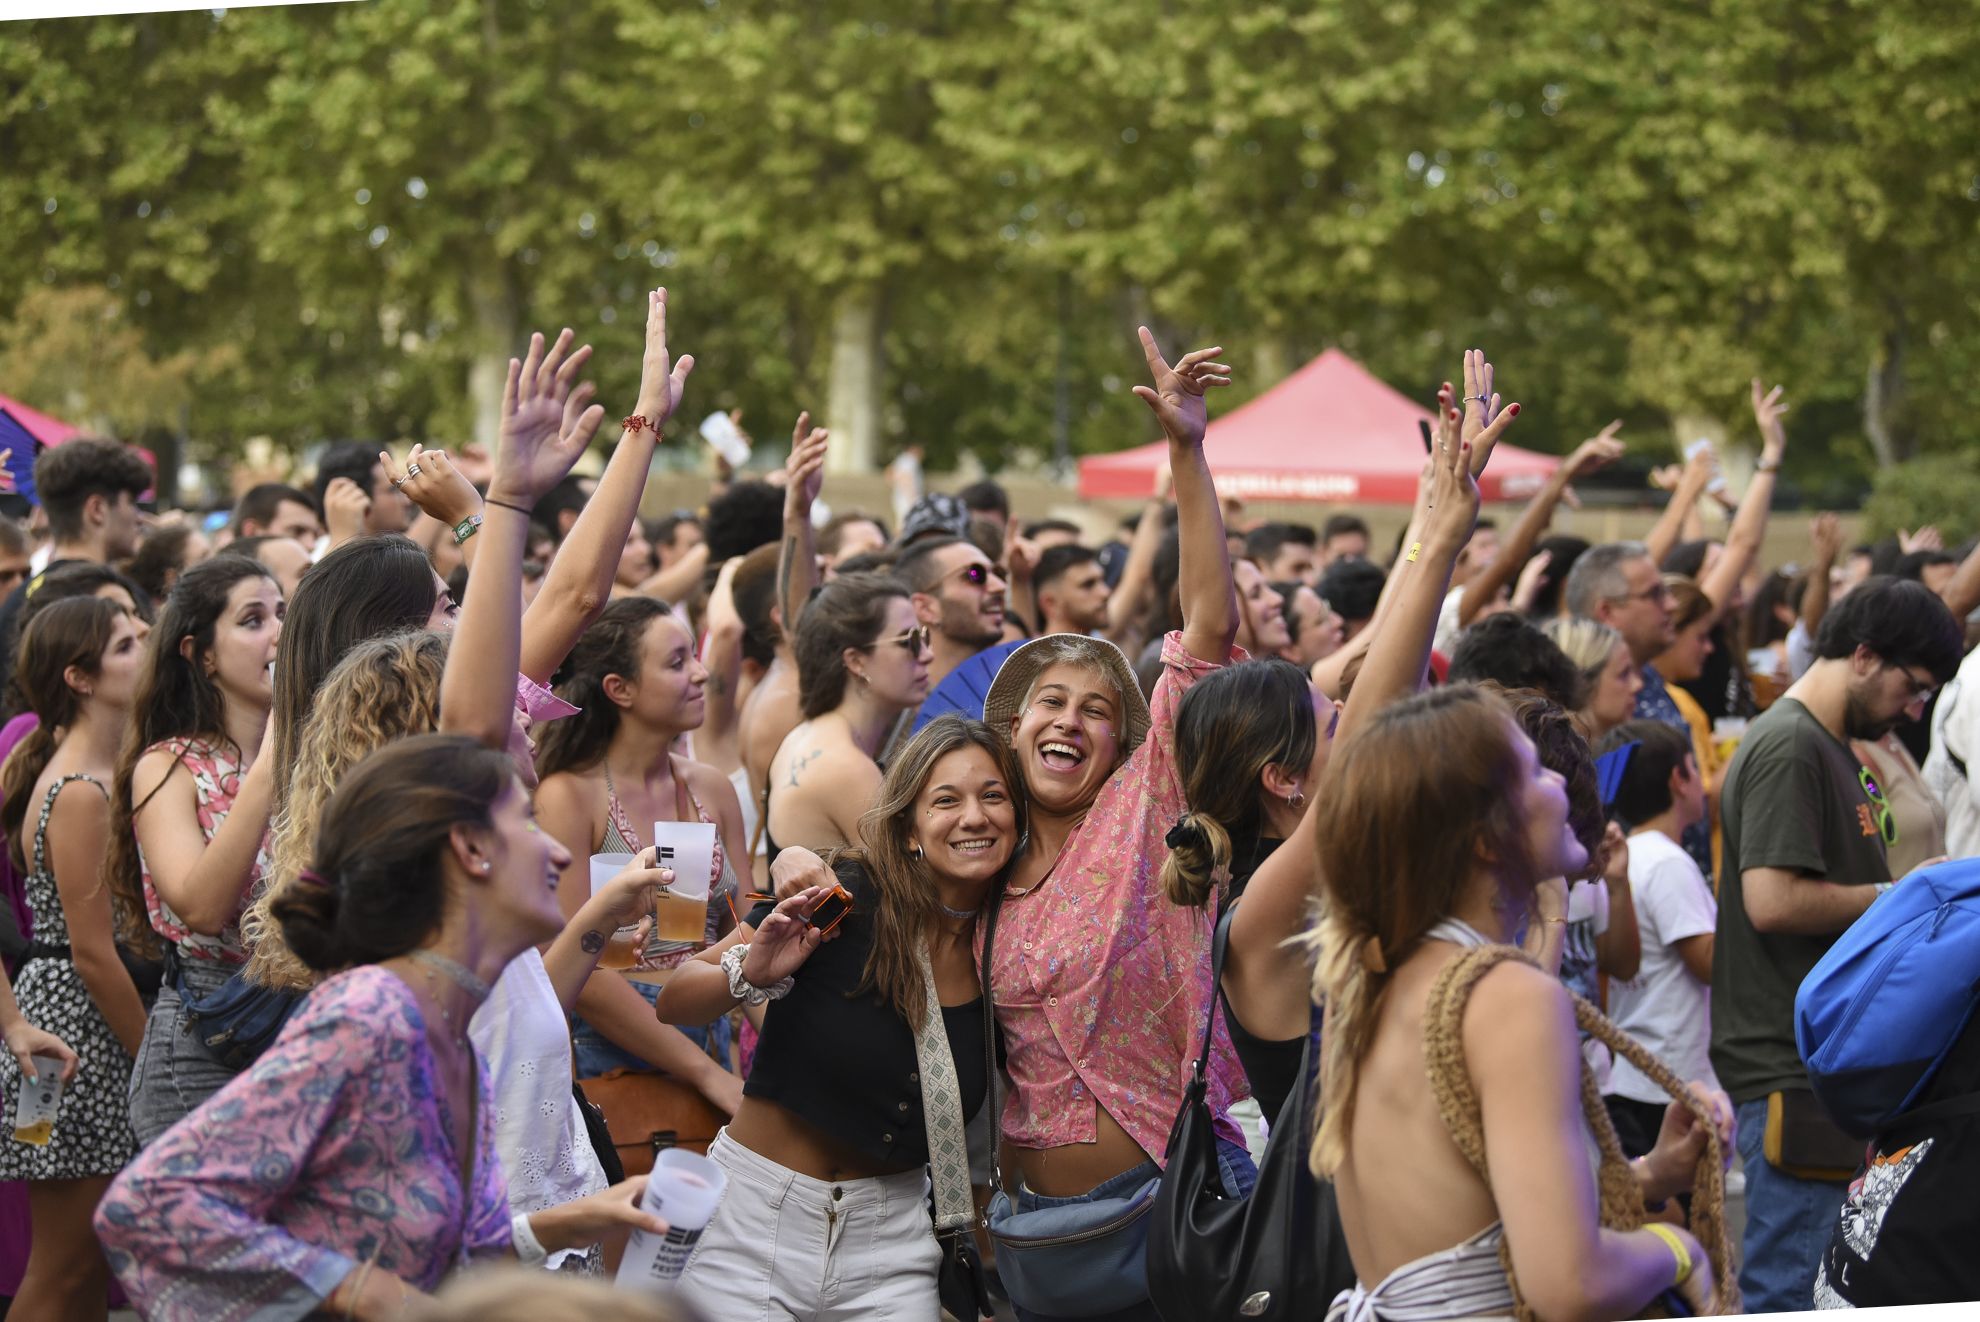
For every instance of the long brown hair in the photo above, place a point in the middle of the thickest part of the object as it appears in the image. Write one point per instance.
(907, 899)
(69, 633)
(613, 645)
(1415, 800)
(1230, 726)
(175, 700)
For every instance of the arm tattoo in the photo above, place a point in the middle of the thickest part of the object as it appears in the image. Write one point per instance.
(592, 942)
(801, 763)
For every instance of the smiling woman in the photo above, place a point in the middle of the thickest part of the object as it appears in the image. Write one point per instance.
(844, 1136)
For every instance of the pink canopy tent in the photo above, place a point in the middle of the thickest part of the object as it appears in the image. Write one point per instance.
(1331, 432)
(25, 432)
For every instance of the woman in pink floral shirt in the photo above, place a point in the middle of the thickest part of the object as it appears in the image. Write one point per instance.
(1101, 985)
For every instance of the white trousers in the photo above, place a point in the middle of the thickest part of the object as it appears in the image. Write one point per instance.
(784, 1247)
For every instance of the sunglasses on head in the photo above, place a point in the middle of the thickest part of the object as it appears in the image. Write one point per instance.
(978, 575)
(915, 640)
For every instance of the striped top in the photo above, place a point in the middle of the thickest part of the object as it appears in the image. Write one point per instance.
(1463, 1282)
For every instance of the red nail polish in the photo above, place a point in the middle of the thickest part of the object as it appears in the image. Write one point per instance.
(1513, 409)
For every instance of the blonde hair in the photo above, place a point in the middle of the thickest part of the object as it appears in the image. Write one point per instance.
(384, 689)
(517, 1294)
(1588, 643)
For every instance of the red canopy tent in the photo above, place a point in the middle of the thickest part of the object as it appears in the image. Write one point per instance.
(1330, 432)
(25, 432)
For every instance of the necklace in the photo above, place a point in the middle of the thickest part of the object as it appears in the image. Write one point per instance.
(958, 914)
(476, 988)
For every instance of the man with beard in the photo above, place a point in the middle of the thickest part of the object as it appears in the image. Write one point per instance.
(959, 594)
(1806, 828)
(1071, 590)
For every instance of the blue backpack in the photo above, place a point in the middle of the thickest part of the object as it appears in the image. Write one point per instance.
(1881, 1009)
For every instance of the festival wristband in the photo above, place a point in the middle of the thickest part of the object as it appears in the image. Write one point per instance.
(466, 528)
(1677, 1248)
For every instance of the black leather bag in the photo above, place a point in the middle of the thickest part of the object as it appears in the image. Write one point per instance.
(961, 1281)
(1278, 1254)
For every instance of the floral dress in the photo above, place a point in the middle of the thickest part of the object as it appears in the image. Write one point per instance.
(92, 1130)
(334, 1149)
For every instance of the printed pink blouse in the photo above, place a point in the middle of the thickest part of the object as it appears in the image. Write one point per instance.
(216, 780)
(1102, 985)
(331, 1150)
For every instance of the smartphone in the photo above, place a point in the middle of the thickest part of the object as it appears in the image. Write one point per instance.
(1424, 427)
(832, 910)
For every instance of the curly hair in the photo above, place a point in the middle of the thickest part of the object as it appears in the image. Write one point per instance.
(383, 689)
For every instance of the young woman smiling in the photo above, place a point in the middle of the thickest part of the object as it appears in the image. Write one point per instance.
(826, 1209)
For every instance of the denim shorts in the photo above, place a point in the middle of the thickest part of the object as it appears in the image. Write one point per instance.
(596, 1054)
(173, 1072)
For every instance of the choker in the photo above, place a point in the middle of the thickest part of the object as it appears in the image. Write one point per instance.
(959, 914)
(457, 974)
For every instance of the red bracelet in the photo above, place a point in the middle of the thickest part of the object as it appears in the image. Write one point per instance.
(633, 422)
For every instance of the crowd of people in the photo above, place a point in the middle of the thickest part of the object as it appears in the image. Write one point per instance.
(381, 862)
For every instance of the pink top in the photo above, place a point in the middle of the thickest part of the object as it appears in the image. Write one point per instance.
(332, 1149)
(216, 780)
(1101, 984)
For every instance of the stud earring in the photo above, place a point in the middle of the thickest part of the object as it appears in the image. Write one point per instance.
(486, 867)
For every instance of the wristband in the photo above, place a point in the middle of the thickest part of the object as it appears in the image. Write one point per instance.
(742, 988)
(1764, 466)
(635, 423)
(466, 528)
(1415, 549)
(529, 1249)
(1677, 1248)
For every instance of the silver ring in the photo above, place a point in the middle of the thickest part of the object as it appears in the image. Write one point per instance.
(1480, 398)
(412, 471)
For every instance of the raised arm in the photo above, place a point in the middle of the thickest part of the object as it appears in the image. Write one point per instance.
(431, 481)
(1825, 539)
(1126, 606)
(1749, 526)
(579, 581)
(1595, 453)
(797, 563)
(1209, 598)
(201, 880)
(478, 686)
(1962, 590)
(1670, 524)
(721, 653)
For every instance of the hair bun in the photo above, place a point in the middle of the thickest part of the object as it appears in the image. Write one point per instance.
(1187, 833)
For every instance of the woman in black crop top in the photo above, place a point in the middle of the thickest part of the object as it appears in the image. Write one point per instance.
(826, 1204)
(1250, 747)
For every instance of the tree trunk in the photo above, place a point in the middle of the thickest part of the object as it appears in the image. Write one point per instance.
(1883, 401)
(1271, 362)
(492, 296)
(852, 395)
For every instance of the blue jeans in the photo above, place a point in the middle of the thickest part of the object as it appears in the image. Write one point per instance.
(596, 1053)
(1240, 1176)
(1788, 1224)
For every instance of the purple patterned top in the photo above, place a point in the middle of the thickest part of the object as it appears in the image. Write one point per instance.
(332, 1149)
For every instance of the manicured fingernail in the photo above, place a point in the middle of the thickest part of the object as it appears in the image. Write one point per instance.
(1513, 409)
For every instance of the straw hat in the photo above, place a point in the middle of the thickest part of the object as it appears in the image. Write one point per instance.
(1022, 668)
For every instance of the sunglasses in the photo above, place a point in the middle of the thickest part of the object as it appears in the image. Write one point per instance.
(915, 641)
(1880, 808)
(978, 575)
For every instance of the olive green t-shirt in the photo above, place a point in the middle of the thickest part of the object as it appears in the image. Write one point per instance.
(1792, 800)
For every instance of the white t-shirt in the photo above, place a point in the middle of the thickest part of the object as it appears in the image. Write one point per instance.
(1950, 769)
(1663, 1006)
(521, 1033)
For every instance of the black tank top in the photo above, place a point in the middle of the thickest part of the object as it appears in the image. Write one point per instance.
(1271, 1066)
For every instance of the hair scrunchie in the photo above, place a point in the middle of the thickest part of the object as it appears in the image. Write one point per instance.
(314, 878)
(1186, 833)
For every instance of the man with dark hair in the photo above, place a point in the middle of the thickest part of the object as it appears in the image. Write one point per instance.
(1071, 591)
(1048, 533)
(388, 509)
(959, 594)
(1513, 654)
(89, 490)
(276, 509)
(1352, 587)
(674, 537)
(845, 536)
(1343, 537)
(1284, 551)
(284, 557)
(986, 500)
(1806, 828)
(746, 516)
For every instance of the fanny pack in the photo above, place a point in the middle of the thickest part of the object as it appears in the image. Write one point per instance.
(236, 1021)
(1803, 1142)
(1074, 1259)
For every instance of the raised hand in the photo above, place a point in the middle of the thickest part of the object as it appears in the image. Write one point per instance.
(1177, 396)
(1925, 539)
(1482, 410)
(786, 939)
(1597, 452)
(1767, 411)
(1825, 536)
(1531, 575)
(661, 380)
(537, 448)
(804, 471)
(6, 478)
(346, 506)
(430, 480)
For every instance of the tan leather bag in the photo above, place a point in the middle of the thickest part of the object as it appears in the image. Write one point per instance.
(645, 1113)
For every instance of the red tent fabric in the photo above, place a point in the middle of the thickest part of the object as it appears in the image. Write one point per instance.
(47, 430)
(1331, 432)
